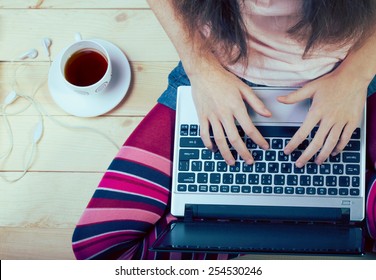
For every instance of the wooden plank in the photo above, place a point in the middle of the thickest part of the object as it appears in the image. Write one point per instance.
(46, 199)
(66, 149)
(136, 32)
(149, 80)
(70, 4)
(36, 244)
(39, 212)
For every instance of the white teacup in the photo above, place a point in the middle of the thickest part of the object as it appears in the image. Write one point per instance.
(85, 67)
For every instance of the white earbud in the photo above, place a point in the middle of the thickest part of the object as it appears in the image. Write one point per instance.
(77, 37)
(32, 53)
(46, 42)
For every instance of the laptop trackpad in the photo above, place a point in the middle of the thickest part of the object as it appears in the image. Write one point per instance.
(246, 237)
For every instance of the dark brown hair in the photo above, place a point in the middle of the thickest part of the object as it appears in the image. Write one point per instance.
(322, 22)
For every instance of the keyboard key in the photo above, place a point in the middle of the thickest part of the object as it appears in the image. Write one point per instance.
(311, 190)
(321, 191)
(209, 166)
(305, 180)
(325, 169)
(278, 131)
(352, 169)
(277, 144)
(354, 192)
(184, 128)
(273, 167)
(196, 165)
(318, 180)
(202, 178)
(192, 188)
(257, 155)
(300, 190)
(191, 142)
(352, 145)
(235, 189)
(218, 156)
(279, 180)
(343, 191)
(338, 169)
(203, 188)
(267, 189)
(336, 158)
(331, 181)
(221, 166)
(213, 188)
(235, 167)
(215, 178)
(247, 168)
(282, 156)
(270, 155)
(266, 179)
(183, 165)
(182, 188)
(355, 182)
(311, 168)
(224, 189)
(193, 130)
(228, 178)
(351, 157)
(260, 167)
(240, 179)
(187, 154)
(256, 189)
(246, 189)
(332, 191)
(292, 180)
(278, 190)
(298, 170)
(253, 179)
(206, 154)
(295, 155)
(250, 144)
(344, 181)
(184, 177)
(286, 167)
(289, 190)
(356, 134)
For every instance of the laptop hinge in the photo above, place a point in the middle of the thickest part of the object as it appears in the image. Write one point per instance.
(267, 213)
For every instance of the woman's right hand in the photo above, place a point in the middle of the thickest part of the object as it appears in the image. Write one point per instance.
(219, 98)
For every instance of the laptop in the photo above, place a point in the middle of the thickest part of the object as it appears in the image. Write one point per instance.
(271, 205)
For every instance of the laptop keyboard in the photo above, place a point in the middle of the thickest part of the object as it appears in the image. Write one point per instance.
(202, 171)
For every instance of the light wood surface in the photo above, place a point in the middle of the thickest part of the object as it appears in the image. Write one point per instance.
(39, 212)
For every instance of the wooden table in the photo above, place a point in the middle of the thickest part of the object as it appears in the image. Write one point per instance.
(38, 213)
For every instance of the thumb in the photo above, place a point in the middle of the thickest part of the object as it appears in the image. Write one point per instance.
(296, 96)
(251, 98)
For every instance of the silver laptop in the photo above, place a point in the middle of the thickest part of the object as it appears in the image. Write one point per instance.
(270, 198)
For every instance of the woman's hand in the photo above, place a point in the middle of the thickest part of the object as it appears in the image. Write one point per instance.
(338, 100)
(219, 98)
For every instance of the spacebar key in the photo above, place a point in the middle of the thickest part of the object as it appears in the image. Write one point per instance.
(277, 131)
(191, 142)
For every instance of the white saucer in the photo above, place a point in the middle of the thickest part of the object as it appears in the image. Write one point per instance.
(92, 105)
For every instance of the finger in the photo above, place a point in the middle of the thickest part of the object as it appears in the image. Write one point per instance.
(296, 96)
(221, 141)
(344, 138)
(330, 143)
(250, 130)
(251, 98)
(205, 134)
(309, 123)
(237, 142)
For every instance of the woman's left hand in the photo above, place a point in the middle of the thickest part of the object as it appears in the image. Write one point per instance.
(338, 100)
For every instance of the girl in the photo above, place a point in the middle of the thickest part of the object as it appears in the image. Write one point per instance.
(325, 47)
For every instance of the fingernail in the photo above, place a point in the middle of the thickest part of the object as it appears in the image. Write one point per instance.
(299, 164)
(231, 162)
(249, 162)
(265, 147)
(287, 151)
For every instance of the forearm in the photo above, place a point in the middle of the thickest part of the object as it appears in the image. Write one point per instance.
(189, 49)
(360, 63)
